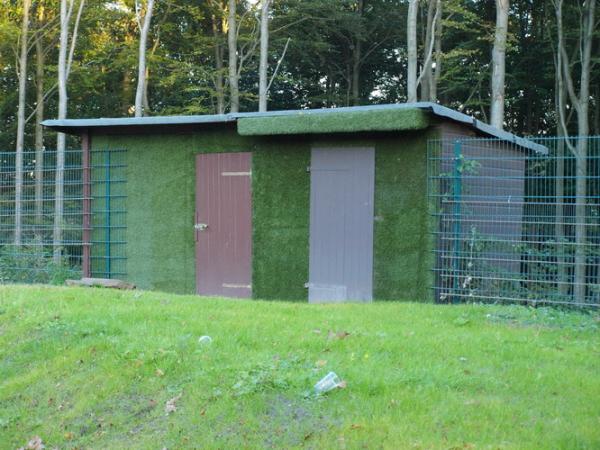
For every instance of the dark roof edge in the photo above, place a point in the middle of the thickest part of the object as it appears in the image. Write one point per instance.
(72, 125)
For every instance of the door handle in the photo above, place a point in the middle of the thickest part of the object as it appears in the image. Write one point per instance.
(201, 226)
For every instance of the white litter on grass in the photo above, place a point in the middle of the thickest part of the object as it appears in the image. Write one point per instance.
(205, 340)
(328, 383)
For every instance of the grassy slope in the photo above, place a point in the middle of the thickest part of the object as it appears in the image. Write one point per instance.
(94, 368)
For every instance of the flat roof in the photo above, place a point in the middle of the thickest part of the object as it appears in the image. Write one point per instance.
(74, 126)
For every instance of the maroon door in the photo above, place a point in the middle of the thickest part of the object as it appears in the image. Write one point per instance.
(223, 224)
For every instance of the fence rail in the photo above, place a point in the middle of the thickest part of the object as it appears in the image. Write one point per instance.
(511, 224)
(92, 224)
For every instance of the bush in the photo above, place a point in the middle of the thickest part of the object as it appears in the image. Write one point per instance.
(33, 264)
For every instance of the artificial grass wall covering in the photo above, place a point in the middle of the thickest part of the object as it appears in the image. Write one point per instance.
(281, 196)
(402, 248)
(161, 209)
(340, 122)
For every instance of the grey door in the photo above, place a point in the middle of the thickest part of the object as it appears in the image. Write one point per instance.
(341, 224)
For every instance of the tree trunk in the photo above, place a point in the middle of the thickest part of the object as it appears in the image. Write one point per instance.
(498, 65)
(220, 92)
(145, 101)
(411, 46)
(23, 40)
(264, 56)
(559, 192)
(65, 15)
(597, 111)
(427, 78)
(144, 29)
(234, 90)
(438, 54)
(39, 117)
(357, 59)
(580, 102)
(64, 67)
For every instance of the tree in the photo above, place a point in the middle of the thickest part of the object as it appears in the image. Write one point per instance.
(411, 45)
(580, 101)
(264, 55)
(24, 46)
(498, 64)
(64, 68)
(217, 29)
(431, 47)
(425, 77)
(234, 89)
(143, 20)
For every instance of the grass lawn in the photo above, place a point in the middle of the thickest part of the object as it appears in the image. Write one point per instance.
(93, 368)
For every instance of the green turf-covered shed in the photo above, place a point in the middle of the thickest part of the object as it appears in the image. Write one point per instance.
(325, 204)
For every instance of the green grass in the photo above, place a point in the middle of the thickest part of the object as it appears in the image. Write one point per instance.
(85, 368)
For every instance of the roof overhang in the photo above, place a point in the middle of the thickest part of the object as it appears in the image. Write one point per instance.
(393, 117)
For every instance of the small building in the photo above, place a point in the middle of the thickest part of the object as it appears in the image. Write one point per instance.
(319, 205)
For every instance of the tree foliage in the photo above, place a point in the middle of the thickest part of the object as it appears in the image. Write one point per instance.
(338, 53)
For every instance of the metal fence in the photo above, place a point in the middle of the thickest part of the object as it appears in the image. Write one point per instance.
(515, 224)
(90, 234)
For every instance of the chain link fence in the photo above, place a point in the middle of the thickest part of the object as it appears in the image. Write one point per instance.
(516, 224)
(36, 246)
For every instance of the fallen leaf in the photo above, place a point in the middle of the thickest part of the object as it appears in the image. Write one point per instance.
(355, 426)
(171, 405)
(159, 373)
(34, 444)
(321, 363)
(203, 412)
(338, 335)
(68, 436)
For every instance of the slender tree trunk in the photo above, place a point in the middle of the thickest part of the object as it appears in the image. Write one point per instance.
(438, 54)
(220, 92)
(234, 90)
(597, 111)
(39, 117)
(65, 15)
(145, 101)
(581, 102)
(499, 64)
(357, 58)
(427, 79)
(144, 29)
(65, 59)
(559, 193)
(23, 39)
(264, 56)
(411, 45)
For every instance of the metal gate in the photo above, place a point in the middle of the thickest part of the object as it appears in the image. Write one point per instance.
(515, 224)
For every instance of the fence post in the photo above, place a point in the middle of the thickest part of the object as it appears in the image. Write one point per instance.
(85, 157)
(457, 192)
(107, 261)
